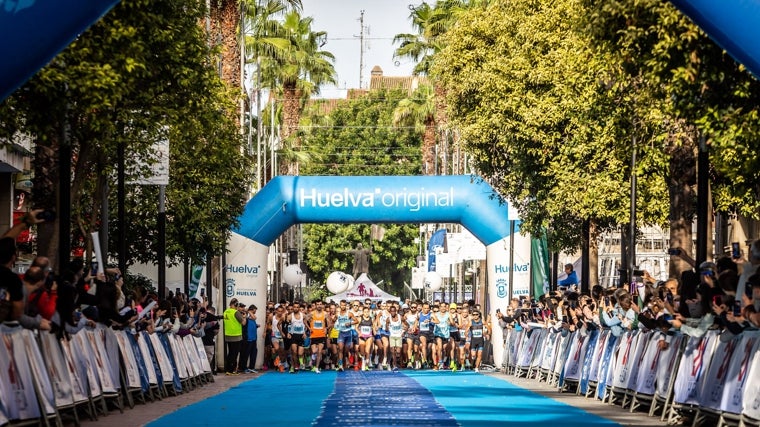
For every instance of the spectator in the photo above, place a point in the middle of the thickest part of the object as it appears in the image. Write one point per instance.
(250, 349)
(34, 284)
(748, 269)
(210, 331)
(11, 287)
(571, 279)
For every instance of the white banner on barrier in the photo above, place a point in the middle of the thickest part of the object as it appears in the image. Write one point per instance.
(167, 372)
(18, 393)
(574, 362)
(97, 352)
(142, 343)
(56, 369)
(691, 372)
(79, 383)
(601, 345)
(624, 358)
(27, 342)
(711, 391)
(646, 374)
(549, 351)
(751, 394)
(665, 365)
(83, 359)
(132, 372)
(736, 378)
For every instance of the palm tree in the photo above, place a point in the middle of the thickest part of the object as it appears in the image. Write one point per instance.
(297, 69)
(419, 111)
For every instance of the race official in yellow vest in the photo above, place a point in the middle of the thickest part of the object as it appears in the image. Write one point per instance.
(233, 320)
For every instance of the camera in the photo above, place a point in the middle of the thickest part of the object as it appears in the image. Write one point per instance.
(735, 250)
(47, 215)
(674, 251)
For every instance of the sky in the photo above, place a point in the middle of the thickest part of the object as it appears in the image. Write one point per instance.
(383, 19)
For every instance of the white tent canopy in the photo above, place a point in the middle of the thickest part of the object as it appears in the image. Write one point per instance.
(364, 288)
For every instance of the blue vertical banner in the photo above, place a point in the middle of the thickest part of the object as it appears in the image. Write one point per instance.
(437, 240)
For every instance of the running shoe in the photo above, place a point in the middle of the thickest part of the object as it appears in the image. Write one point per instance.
(356, 367)
(477, 370)
(453, 366)
(395, 369)
(389, 368)
(435, 367)
(314, 369)
(292, 371)
(281, 368)
(409, 364)
(300, 361)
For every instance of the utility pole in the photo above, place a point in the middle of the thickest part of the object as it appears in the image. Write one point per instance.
(361, 50)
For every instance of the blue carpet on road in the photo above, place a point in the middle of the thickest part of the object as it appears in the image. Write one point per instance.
(407, 398)
(481, 400)
(381, 399)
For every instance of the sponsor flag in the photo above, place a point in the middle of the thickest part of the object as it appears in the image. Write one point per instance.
(437, 240)
(539, 259)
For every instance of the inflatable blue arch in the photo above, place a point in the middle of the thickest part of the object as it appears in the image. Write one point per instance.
(289, 200)
(464, 199)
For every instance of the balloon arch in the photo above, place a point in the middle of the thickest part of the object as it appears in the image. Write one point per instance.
(463, 199)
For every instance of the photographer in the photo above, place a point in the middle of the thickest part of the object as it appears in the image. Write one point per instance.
(210, 331)
(620, 317)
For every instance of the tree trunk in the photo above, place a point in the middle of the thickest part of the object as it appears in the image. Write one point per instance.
(45, 195)
(682, 198)
(291, 115)
(428, 148)
(225, 22)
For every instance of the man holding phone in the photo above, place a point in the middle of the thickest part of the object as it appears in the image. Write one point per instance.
(748, 269)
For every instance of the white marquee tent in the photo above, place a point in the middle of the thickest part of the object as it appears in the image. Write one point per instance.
(364, 288)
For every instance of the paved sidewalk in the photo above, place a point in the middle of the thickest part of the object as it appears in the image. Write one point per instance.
(596, 407)
(145, 413)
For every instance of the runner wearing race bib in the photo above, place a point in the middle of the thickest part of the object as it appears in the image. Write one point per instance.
(395, 329)
(426, 333)
(366, 337)
(318, 321)
(296, 331)
(412, 336)
(477, 335)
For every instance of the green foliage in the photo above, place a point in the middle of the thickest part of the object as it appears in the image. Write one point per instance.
(550, 98)
(141, 74)
(358, 138)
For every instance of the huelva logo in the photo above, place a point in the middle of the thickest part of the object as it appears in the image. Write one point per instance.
(244, 269)
(404, 199)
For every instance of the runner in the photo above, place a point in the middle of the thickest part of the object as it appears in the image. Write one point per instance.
(353, 357)
(317, 320)
(411, 325)
(366, 337)
(463, 324)
(395, 327)
(333, 336)
(442, 321)
(345, 321)
(278, 351)
(296, 331)
(478, 334)
(426, 333)
(381, 336)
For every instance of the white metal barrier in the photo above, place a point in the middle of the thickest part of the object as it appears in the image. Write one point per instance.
(715, 379)
(45, 378)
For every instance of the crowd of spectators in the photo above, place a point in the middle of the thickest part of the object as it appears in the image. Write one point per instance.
(721, 295)
(81, 296)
